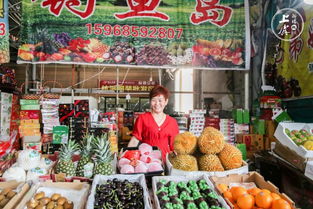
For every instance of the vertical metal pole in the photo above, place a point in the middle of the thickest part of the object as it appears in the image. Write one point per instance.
(26, 79)
(246, 75)
(117, 86)
(160, 77)
(201, 90)
(34, 72)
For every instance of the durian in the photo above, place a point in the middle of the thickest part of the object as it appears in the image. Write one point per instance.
(211, 141)
(184, 162)
(210, 162)
(231, 157)
(185, 143)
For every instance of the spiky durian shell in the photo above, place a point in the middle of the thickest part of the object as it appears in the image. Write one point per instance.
(184, 162)
(230, 157)
(185, 143)
(211, 141)
(210, 162)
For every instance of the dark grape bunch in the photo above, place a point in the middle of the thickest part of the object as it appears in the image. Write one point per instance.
(63, 38)
(119, 194)
(122, 52)
(153, 55)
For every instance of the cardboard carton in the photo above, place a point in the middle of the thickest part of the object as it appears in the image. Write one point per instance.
(19, 187)
(291, 156)
(246, 178)
(65, 187)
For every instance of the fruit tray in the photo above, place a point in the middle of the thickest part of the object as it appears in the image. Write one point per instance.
(176, 172)
(76, 192)
(283, 138)
(99, 179)
(248, 178)
(186, 178)
(18, 188)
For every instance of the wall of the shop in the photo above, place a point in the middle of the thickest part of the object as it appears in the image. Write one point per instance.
(64, 75)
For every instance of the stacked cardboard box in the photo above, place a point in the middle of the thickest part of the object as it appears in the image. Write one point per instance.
(212, 122)
(227, 127)
(50, 117)
(29, 128)
(197, 120)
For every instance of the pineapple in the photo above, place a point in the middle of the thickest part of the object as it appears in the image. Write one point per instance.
(103, 156)
(65, 163)
(86, 148)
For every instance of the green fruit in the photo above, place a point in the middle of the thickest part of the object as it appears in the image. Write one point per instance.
(99, 60)
(67, 58)
(183, 46)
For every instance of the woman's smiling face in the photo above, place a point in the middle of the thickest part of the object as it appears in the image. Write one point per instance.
(158, 103)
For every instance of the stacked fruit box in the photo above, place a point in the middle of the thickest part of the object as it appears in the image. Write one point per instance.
(66, 194)
(11, 193)
(189, 191)
(104, 186)
(251, 190)
(294, 136)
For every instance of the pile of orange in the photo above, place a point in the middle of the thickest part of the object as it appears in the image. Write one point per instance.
(253, 198)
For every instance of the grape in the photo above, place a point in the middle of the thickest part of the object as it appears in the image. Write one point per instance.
(62, 38)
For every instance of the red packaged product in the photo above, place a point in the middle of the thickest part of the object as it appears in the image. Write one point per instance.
(132, 154)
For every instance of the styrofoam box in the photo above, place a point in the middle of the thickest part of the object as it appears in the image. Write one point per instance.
(99, 179)
(156, 179)
(176, 172)
(309, 170)
(284, 139)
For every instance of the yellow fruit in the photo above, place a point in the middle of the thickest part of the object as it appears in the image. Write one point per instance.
(308, 145)
(185, 143)
(231, 157)
(211, 141)
(210, 163)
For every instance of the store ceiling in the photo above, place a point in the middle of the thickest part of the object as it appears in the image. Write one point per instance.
(14, 27)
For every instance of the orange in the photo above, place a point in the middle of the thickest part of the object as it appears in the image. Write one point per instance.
(245, 201)
(267, 191)
(236, 206)
(222, 187)
(263, 200)
(237, 192)
(275, 196)
(254, 191)
(281, 204)
(228, 195)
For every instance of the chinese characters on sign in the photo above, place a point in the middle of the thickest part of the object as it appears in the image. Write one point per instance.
(287, 24)
(127, 86)
(205, 11)
(56, 6)
(209, 11)
(142, 8)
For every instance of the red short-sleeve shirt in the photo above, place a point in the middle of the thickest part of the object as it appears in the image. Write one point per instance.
(147, 131)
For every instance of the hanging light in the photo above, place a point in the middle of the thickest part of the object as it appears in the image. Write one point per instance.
(308, 1)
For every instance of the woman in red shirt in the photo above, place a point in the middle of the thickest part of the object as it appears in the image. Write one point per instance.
(155, 127)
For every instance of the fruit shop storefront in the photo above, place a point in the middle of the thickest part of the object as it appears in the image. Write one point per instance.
(84, 76)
